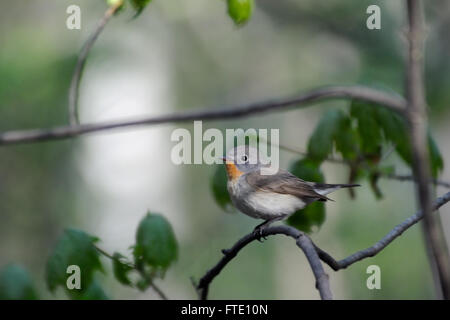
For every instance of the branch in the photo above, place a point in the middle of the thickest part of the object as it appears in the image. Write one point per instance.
(81, 62)
(400, 177)
(416, 113)
(305, 243)
(158, 291)
(383, 243)
(392, 102)
(133, 266)
(303, 153)
(302, 241)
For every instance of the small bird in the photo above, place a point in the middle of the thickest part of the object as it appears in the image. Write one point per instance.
(269, 197)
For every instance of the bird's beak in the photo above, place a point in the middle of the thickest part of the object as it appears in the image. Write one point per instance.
(225, 159)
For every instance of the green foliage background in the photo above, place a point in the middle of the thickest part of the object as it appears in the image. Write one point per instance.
(285, 47)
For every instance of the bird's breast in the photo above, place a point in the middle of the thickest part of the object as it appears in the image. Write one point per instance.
(262, 204)
(274, 204)
(232, 171)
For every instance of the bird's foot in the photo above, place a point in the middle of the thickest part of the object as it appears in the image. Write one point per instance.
(258, 233)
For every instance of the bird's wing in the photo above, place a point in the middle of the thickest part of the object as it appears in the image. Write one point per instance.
(285, 183)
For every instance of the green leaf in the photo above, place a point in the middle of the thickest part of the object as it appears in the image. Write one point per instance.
(93, 292)
(240, 10)
(113, 3)
(16, 284)
(143, 284)
(314, 214)
(219, 188)
(306, 219)
(156, 245)
(75, 247)
(307, 169)
(320, 144)
(139, 5)
(121, 269)
(368, 127)
(346, 139)
(437, 163)
(120, 4)
(395, 130)
(391, 123)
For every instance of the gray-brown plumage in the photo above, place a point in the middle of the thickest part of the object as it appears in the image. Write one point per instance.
(269, 197)
(286, 183)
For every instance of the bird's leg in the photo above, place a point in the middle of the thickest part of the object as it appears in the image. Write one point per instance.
(262, 224)
(260, 228)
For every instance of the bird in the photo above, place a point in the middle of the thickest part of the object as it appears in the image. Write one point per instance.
(272, 197)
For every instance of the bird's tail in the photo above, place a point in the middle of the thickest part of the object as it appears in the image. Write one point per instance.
(324, 189)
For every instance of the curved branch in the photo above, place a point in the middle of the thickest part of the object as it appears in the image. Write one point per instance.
(383, 243)
(305, 243)
(302, 241)
(393, 102)
(81, 62)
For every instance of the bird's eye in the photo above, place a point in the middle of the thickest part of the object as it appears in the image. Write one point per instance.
(244, 158)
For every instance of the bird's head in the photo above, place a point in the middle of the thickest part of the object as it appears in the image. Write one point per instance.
(242, 159)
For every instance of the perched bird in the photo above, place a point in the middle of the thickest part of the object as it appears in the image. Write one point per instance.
(269, 197)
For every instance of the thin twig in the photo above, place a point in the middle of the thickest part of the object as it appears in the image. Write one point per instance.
(302, 241)
(106, 254)
(133, 266)
(302, 153)
(408, 177)
(416, 114)
(393, 102)
(381, 244)
(388, 152)
(158, 291)
(81, 62)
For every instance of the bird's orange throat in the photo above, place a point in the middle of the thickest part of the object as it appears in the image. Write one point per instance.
(232, 171)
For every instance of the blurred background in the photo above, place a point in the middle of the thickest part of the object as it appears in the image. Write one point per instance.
(182, 55)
